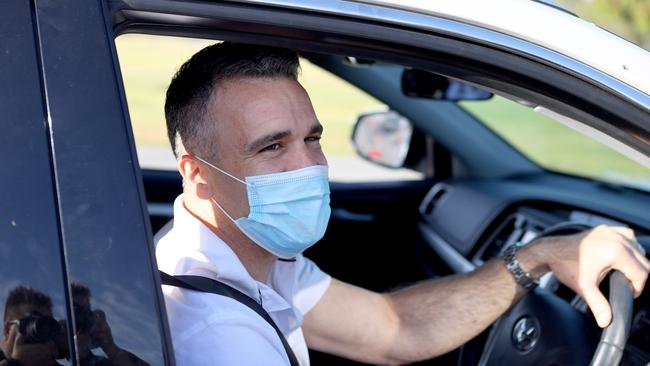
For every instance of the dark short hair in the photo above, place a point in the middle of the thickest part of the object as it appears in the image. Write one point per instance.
(79, 292)
(25, 296)
(193, 86)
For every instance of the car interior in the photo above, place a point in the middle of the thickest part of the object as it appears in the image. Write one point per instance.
(476, 193)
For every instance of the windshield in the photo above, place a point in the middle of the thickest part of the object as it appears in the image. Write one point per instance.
(555, 146)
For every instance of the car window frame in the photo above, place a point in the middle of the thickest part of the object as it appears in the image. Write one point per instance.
(101, 201)
(29, 199)
(517, 74)
(611, 108)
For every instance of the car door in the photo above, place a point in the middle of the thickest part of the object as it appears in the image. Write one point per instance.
(104, 236)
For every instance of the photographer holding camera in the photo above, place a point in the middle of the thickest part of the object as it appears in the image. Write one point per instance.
(30, 333)
(32, 337)
(94, 332)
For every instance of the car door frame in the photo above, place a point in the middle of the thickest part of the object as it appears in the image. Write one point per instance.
(104, 226)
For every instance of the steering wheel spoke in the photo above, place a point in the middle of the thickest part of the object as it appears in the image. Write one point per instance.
(541, 329)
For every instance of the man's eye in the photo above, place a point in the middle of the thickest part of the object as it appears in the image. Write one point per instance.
(313, 138)
(272, 147)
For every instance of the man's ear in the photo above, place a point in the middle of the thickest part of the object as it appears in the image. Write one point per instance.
(194, 176)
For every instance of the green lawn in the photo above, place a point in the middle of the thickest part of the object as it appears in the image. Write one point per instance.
(552, 144)
(149, 62)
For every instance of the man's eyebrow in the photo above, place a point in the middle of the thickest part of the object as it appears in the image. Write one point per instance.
(263, 141)
(316, 128)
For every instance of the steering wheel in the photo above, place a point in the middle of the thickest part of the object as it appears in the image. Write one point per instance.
(543, 329)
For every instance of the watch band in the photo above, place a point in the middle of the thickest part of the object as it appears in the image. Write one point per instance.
(523, 278)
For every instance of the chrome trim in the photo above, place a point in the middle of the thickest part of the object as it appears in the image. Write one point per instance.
(525, 334)
(344, 214)
(432, 193)
(593, 220)
(160, 209)
(456, 261)
(470, 32)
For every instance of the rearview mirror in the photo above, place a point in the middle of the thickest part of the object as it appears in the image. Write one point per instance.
(383, 138)
(425, 84)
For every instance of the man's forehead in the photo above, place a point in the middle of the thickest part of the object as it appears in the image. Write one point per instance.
(250, 96)
(249, 109)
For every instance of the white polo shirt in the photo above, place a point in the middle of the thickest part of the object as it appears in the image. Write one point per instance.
(211, 330)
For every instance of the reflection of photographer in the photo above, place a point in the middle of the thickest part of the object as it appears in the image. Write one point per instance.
(93, 333)
(30, 333)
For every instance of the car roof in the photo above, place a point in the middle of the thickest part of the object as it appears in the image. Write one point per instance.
(547, 26)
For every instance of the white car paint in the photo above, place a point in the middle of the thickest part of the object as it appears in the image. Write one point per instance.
(545, 26)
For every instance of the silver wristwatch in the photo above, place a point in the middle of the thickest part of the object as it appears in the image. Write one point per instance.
(523, 278)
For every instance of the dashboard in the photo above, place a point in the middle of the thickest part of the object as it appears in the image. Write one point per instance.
(467, 222)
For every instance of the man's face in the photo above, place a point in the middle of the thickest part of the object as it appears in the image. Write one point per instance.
(17, 314)
(263, 125)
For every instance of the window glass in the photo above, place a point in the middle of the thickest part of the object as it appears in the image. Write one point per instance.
(32, 287)
(99, 208)
(555, 146)
(149, 62)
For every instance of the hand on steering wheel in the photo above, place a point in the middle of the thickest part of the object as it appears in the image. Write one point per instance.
(544, 329)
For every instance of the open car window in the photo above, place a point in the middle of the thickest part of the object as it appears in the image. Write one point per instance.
(555, 146)
(149, 62)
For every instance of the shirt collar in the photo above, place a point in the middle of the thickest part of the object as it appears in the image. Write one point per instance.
(191, 248)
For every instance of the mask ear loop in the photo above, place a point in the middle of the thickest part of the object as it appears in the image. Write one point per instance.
(221, 170)
(222, 210)
(227, 174)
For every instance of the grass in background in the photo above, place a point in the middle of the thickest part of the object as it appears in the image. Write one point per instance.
(556, 146)
(149, 62)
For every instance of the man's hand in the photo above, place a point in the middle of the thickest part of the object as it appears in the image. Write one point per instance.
(581, 261)
(101, 333)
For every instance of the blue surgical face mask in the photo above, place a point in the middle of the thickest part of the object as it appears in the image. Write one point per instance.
(289, 211)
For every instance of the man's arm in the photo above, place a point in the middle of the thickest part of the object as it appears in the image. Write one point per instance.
(434, 317)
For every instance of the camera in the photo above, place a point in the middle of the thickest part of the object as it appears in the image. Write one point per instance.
(37, 328)
(84, 318)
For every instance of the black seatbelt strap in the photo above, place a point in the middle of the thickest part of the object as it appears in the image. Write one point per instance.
(204, 284)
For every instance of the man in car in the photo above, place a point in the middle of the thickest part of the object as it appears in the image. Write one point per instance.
(256, 196)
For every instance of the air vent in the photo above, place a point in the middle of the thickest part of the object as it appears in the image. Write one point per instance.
(433, 198)
(508, 232)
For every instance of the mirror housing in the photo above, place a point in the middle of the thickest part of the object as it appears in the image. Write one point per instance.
(383, 138)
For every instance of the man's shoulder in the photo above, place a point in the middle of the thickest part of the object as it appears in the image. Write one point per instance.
(163, 231)
(308, 282)
(204, 304)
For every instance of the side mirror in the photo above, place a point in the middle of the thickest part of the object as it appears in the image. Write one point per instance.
(383, 138)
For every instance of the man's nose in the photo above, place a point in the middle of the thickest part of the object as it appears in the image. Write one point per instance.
(305, 157)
